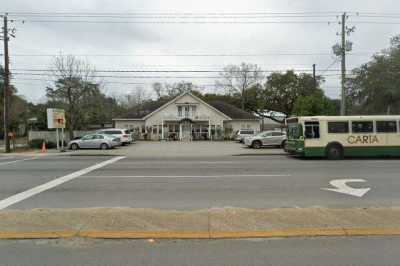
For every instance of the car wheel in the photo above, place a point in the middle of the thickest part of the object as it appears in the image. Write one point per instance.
(74, 146)
(256, 144)
(334, 152)
(104, 146)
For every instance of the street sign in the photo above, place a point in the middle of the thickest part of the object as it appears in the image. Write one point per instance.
(342, 187)
(55, 118)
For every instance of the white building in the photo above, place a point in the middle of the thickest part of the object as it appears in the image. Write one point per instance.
(187, 117)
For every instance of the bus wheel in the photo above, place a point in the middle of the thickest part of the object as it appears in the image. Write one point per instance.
(334, 152)
(284, 145)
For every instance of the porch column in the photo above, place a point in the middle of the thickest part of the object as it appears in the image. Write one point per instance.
(209, 129)
(180, 132)
(191, 131)
(200, 134)
(162, 129)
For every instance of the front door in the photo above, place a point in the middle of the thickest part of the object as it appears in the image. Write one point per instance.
(267, 138)
(186, 131)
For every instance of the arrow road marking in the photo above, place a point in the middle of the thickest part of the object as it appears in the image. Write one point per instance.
(342, 187)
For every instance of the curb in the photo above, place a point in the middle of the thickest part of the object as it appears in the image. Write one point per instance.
(283, 233)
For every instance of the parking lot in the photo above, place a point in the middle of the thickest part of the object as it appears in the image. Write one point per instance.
(176, 149)
(191, 176)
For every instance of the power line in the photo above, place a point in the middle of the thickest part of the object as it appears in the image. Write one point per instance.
(375, 22)
(331, 65)
(194, 55)
(105, 82)
(172, 13)
(173, 22)
(176, 71)
(258, 13)
(243, 16)
(137, 77)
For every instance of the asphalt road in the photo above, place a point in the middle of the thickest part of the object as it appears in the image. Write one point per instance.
(193, 183)
(276, 252)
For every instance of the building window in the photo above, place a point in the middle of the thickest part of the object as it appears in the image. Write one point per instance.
(194, 109)
(179, 111)
(186, 111)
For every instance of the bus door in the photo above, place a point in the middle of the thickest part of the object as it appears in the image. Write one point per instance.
(312, 131)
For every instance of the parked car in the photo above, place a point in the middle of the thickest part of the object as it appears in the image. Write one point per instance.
(266, 138)
(243, 133)
(95, 141)
(123, 134)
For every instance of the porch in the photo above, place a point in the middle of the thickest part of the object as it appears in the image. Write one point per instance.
(186, 129)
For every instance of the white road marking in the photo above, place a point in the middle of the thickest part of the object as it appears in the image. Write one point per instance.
(342, 187)
(192, 162)
(17, 161)
(184, 176)
(6, 158)
(56, 182)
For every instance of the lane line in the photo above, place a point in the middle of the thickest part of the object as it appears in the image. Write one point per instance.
(184, 176)
(56, 182)
(17, 161)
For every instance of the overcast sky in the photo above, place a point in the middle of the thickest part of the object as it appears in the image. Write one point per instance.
(166, 39)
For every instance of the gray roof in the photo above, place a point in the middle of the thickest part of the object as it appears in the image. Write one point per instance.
(141, 111)
(226, 108)
(232, 111)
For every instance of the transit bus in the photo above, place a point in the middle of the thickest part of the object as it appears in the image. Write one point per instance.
(336, 137)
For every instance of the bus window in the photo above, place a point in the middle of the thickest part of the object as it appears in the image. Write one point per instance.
(312, 130)
(338, 127)
(362, 127)
(386, 127)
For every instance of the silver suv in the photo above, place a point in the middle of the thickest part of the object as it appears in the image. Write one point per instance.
(243, 133)
(123, 134)
(267, 138)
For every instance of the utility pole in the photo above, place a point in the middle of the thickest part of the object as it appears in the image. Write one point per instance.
(343, 56)
(6, 86)
(340, 50)
(314, 76)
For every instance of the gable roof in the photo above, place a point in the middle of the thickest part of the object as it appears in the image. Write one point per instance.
(228, 110)
(232, 111)
(179, 97)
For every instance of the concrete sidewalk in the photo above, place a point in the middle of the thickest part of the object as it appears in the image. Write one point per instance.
(202, 224)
